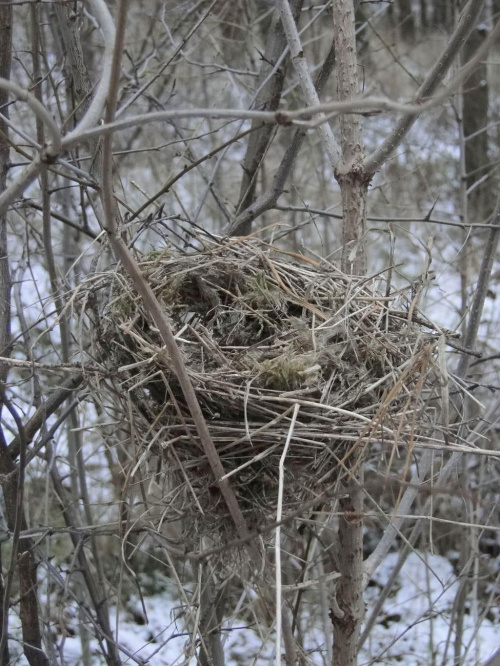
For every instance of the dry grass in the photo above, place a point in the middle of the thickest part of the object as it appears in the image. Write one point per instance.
(260, 331)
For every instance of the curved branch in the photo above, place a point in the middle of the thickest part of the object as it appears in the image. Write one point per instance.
(94, 112)
(52, 151)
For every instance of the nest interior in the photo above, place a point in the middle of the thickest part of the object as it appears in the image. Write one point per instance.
(261, 331)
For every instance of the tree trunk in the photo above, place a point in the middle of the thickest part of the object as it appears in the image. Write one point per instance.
(348, 613)
(475, 115)
(350, 172)
(350, 609)
(406, 20)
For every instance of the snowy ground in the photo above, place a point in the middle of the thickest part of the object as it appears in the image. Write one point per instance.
(413, 627)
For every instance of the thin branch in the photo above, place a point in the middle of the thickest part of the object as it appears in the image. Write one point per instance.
(268, 200)
(150, 301)
(281, 117)
(53, 150)
(45, 411)
(468, 20)
(169, 184)
(425, 463)
(306, 83)
(481, 291)
(268, 97)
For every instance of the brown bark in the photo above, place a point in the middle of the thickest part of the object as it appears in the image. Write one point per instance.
(349, 593)
(350, 172)
(10, 477)
(348, 612)
(26, 562)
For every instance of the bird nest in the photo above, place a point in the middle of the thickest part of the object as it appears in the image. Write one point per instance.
(261, 331)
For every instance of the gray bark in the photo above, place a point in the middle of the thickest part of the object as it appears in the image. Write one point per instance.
(270, 86)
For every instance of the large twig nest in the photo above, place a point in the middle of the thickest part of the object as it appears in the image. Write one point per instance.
(261, 330)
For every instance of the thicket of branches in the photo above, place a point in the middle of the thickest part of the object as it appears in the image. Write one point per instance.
(159, 360)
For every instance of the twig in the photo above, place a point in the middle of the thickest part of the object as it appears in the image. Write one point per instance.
(277, 547)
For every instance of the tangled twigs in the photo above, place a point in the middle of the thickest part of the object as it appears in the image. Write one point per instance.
(260, 332)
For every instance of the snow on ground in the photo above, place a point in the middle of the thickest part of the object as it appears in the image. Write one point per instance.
(412, 628)
(414, 625)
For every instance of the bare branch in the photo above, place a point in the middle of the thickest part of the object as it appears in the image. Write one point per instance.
(150, 300)
(45, 411)
(94, 111)
(269, 88)
(53, 150)
(468, 20)
(268, 200)
(306, 83)
(350, 174)
(481, 291)
(375, 559)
